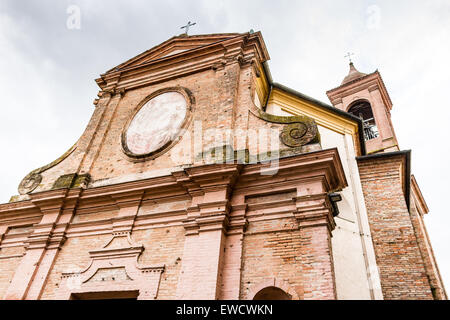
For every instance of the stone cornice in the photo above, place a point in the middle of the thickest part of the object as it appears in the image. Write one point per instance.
(323, 163)
(28, 214)
(125, 187)
(196, 225)
(423, 208)
(239, 48)
(49, 200)
(313, 210)
(215, 176)
(214, 182)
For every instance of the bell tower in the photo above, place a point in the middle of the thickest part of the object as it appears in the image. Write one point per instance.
(365, 96)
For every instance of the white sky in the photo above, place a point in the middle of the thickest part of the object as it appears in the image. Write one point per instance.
(47, 70)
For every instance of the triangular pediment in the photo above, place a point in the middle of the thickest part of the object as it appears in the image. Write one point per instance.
(174, 46)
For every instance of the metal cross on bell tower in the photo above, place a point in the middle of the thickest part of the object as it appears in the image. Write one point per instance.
(189, 24)
(349, 56)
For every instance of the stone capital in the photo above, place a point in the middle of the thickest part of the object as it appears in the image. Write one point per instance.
(314, 210)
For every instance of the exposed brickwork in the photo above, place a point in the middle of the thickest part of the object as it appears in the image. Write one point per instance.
(300, 257)
(200, 278)
(8, 266)
(74, 256)
(399, 259)
(98, 216)
(427, 254)
(163, 246)
(202, 231)
(317, 262)
(268, 254)
(231, 267)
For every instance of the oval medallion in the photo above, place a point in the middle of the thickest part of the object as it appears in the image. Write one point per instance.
(156, 124)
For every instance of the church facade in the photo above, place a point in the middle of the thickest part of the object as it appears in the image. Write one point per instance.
(199, 177)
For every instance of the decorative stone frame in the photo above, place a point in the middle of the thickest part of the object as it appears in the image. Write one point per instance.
(190, 103)
(113, 260)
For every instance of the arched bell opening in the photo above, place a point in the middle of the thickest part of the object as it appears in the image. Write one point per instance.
(363, 110)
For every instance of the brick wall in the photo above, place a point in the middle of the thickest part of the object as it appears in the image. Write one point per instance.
(300, 258)
(163, 246)
(427, 253)
(402, 270)
(214, 93)
(8, 266)
(271, 254)
(73, 257)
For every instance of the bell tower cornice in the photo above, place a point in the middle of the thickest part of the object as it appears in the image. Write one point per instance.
(372, 81)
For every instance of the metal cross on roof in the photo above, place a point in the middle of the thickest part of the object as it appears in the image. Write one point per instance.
(349, 56)
(189, 24)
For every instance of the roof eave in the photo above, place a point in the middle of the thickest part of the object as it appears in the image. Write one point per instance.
(327, 107)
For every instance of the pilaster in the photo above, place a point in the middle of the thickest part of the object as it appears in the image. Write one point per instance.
(206, 225)
(232, 263)
(128, 204)
(315, 220)
(43, 245)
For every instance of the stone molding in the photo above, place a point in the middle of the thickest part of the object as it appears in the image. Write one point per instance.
(217, 209)
(323, 166)
(370, 82)
(146, 68)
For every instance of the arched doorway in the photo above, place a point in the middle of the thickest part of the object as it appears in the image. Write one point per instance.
(272, 293)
